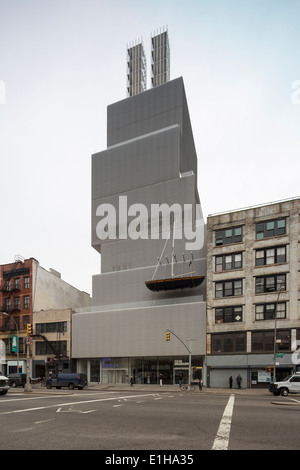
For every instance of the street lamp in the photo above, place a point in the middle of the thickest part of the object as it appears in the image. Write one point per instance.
(281, 288)
(189, 351)
(16, 325)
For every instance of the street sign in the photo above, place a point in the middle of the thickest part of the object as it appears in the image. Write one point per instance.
(14, 343)
(28, 340)
(280, 354)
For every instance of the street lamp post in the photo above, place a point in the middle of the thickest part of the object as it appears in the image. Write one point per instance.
(16, 325)
(281, 288)
(189, 351)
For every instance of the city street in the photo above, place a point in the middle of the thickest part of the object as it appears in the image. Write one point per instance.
(148, 420)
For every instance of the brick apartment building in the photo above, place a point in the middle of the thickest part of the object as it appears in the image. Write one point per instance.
(25, 288)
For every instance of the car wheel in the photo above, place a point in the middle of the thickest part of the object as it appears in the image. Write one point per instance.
(71, 386)
(284, 392)
(49, 386)
(14, 384)
(4, 392)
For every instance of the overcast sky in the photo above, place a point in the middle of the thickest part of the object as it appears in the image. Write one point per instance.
(62, 62)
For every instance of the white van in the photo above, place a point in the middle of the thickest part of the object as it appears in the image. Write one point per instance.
(291, 384)
(4, 384)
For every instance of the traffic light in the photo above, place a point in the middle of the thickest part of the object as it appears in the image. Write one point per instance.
(29, 329)
(167, 336)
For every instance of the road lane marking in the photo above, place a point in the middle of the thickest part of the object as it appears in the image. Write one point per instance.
(77, 403)
(221, 441)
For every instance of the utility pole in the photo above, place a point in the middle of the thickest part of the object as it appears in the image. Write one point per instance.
(28, 387)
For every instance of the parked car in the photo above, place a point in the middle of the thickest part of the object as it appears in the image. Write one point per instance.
(17, 380)
(291, 384)
(4, 385)
(67, 380)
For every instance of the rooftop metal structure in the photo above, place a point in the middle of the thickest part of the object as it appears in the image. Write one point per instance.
(160, 58)
(136, 68)
(137, 64)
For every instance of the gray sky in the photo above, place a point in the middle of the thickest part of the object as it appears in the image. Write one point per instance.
(63, 61)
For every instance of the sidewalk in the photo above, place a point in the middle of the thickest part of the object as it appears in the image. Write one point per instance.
(174, 388)
(148, 388)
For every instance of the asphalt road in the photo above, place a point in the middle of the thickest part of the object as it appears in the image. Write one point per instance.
(166, 421)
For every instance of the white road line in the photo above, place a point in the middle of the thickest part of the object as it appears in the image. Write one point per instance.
(76, 403)
(221, 441)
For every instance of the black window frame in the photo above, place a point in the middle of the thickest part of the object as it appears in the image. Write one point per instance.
(266, 339)
(234, 264)
(229, 343)
(278, 258)
(267, 311)
(229, 314)
(270, 228)
(223, 236)
(263, 284)
(228, 288)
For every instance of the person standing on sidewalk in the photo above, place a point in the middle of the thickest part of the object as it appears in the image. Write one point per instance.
(180, 380)
(230, 381)
(239, 381)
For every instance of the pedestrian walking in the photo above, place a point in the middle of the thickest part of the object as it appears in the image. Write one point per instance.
(230, 381)
(239, 381)
(160, 379)
(200, 384)
(131, 381)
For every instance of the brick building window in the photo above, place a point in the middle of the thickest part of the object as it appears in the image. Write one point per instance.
(26, 301)
(227, 262)
(228, 343)
(270, 256)
(229, 314)
(229, 288)
(271, 228)
(228, 235)
(263, 341)
(270, 283)
(267, 311)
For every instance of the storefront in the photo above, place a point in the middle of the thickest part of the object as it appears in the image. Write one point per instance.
(144, 370)
(256, 370)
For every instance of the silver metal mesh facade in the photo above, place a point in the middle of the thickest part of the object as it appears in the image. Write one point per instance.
(150, 159)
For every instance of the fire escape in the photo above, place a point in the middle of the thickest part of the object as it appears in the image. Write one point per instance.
(10, 304)
(10, 301)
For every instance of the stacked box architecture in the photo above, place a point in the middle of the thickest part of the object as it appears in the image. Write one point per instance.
(150, 160)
